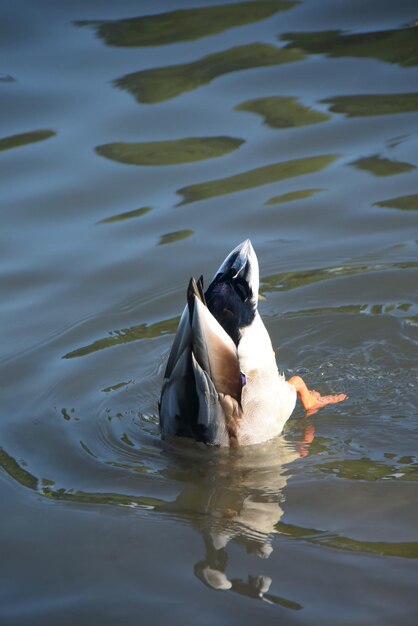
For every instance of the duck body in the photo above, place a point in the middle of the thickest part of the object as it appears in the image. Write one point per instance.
(221, 384)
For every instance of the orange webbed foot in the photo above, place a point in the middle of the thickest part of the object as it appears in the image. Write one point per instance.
(312, 400)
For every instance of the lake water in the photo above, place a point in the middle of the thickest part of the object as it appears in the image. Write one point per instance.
(139, 143)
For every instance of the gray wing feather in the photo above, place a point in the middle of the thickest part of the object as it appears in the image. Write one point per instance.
(203, 363)
(210, 416)
(174, 404)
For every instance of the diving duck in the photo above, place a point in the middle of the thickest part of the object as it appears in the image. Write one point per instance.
(221, 384)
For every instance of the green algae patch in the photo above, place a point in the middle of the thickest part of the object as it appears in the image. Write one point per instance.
(184, 24)
(23, 139)
(254, 178)
(173, 152)
(163, 83)
(379, 166)
(283, 112)
(368, 105)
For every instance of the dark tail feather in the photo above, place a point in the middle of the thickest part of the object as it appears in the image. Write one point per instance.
(195, 289)
(201, 290)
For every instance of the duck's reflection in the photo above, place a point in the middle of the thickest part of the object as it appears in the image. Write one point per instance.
(228, 495)
(236, 495)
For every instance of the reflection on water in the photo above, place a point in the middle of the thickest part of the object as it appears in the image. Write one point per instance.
(254, 178)
(404, 549)
(283, 112)
(105, 521)
(379, 166)
(235, 496)
(177, 235)
(117, 386)
(163, 83)
(185, 24)
(23, 139)
(286, 281)
(127, 335)
(126, 216)
(404, 203)
(169, 152)
(367, 105)
(228, 496)
(367, 469)
(7, 78)
(391, 46)
(292, 196)
(404, 311)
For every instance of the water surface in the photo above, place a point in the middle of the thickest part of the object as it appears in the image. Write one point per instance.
(139, 143)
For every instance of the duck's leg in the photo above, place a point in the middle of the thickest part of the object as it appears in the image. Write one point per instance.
(312, 400)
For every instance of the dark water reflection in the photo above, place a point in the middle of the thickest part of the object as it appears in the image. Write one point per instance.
(126, 216)
(185, 24)
(164, 83)
(282, 112)
(254, 178)
(294, 123)
(169, 152)
(379, 166)
(22, 139)
(398, 45)
(292, 196)
(404, 203)
(367, 105)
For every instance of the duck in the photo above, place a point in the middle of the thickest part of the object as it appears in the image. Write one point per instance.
(221, 383)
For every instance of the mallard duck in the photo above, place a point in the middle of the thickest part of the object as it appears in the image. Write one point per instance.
(221, 384)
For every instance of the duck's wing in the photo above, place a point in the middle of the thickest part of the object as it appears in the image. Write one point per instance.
(215, 351)
(178, 402)
(201, 392)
